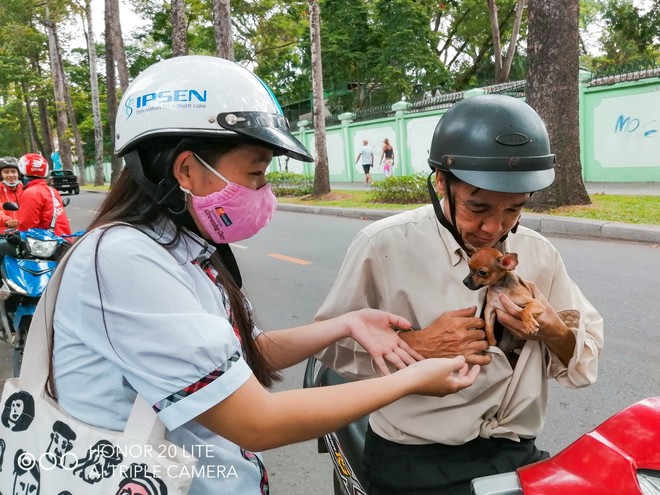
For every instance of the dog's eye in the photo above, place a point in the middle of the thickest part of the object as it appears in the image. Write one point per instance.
(482, 273)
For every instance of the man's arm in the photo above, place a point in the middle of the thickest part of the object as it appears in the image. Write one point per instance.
(571, 328)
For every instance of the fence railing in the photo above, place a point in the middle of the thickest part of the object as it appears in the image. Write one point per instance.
(634, 72)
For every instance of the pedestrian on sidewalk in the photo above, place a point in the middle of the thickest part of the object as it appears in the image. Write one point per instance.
(388, 155)
(367, 155)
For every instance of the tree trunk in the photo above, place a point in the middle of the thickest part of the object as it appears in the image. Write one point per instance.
(552, 90)
(113, 26)
(222, 26)
(503, 65)
(179, 28)
(58, 93)
(114, 51)
(99, 179)
(42, 105)
(497, 42)
(321, 172)
(80, 155)
(32, 125)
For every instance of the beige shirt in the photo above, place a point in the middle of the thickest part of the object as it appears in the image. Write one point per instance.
(410, 265)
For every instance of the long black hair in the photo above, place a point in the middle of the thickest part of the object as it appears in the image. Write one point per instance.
(128, 202)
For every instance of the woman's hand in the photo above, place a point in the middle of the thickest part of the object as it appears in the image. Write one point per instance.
(442, 376)
(374, 330)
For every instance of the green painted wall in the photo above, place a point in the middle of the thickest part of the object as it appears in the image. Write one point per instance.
(619, 136)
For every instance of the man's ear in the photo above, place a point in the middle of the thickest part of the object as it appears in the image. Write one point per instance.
(181, 169)
(440, 183)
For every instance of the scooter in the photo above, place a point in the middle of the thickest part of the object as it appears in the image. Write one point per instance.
(30, 258)
(621, 456)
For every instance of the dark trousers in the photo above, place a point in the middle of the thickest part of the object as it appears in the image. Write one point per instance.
(396, 469)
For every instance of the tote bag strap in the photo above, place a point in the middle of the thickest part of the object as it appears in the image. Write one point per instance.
(143, 423)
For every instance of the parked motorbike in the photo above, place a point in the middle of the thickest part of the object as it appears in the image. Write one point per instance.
(28, 262)
(621, 456)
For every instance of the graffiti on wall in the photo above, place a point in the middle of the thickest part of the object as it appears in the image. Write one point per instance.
(626, 131)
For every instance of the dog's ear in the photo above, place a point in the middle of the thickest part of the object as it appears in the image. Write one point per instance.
(509, 261)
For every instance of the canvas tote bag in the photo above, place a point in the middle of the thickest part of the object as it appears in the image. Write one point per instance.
(44, 450)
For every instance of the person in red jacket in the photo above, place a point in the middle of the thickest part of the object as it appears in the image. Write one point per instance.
(11, 189)
(41, 205)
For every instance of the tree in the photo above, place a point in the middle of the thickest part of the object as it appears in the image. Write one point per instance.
(503, 65)
(114, 52)
(321, 171)
(114, 35)
(222, 27)
(179, 28)
(70, 112)
(552, 90)
(58, 91)
(99, 178)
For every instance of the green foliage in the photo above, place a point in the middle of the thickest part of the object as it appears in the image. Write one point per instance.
(290, 184)
(629, 38)
(407, 189)
(406, 55)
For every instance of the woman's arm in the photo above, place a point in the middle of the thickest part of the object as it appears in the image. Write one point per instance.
(371, 328)
(259, 420)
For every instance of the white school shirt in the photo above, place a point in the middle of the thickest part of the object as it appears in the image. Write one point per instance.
(169, 328)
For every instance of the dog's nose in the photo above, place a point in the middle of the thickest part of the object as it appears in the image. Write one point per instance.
(468, 282)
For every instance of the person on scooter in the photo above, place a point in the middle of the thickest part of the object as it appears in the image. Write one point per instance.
(10, 190)
(489, 154)
(41, 205)
(152, 307)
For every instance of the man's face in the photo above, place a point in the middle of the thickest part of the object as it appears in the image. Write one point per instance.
(482, 217)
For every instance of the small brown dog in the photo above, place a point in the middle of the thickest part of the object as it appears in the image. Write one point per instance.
(492, 269)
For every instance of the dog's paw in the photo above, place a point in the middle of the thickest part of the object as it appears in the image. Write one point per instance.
(531, 326)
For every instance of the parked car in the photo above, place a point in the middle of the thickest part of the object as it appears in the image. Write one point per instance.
(64, 181)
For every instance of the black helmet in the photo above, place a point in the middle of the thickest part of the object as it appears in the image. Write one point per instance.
(8, 162)
(494, 142)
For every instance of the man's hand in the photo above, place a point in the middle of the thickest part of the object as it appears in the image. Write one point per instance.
(454, 333)
(11, 223)
(552, 330)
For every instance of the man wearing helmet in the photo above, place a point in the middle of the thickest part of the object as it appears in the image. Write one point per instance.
(10, 190)
(153, 305)
(41, 205)
(489, 154)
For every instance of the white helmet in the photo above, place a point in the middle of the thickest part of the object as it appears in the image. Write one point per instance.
(201, 96)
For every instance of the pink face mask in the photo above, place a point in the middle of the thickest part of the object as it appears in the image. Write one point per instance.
(234, 213)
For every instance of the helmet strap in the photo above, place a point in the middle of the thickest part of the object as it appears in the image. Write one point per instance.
(134, 165)
(450, 226)
(161, 193)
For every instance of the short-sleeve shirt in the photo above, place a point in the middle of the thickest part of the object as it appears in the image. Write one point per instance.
(367, 155)
(503, 402)
(166, 335)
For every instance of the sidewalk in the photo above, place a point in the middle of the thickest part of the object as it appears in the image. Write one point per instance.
(545, 224)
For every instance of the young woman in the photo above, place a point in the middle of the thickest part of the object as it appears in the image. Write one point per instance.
(152, 305)
(388, 155)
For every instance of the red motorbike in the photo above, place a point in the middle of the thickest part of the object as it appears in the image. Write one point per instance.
(619, 457)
